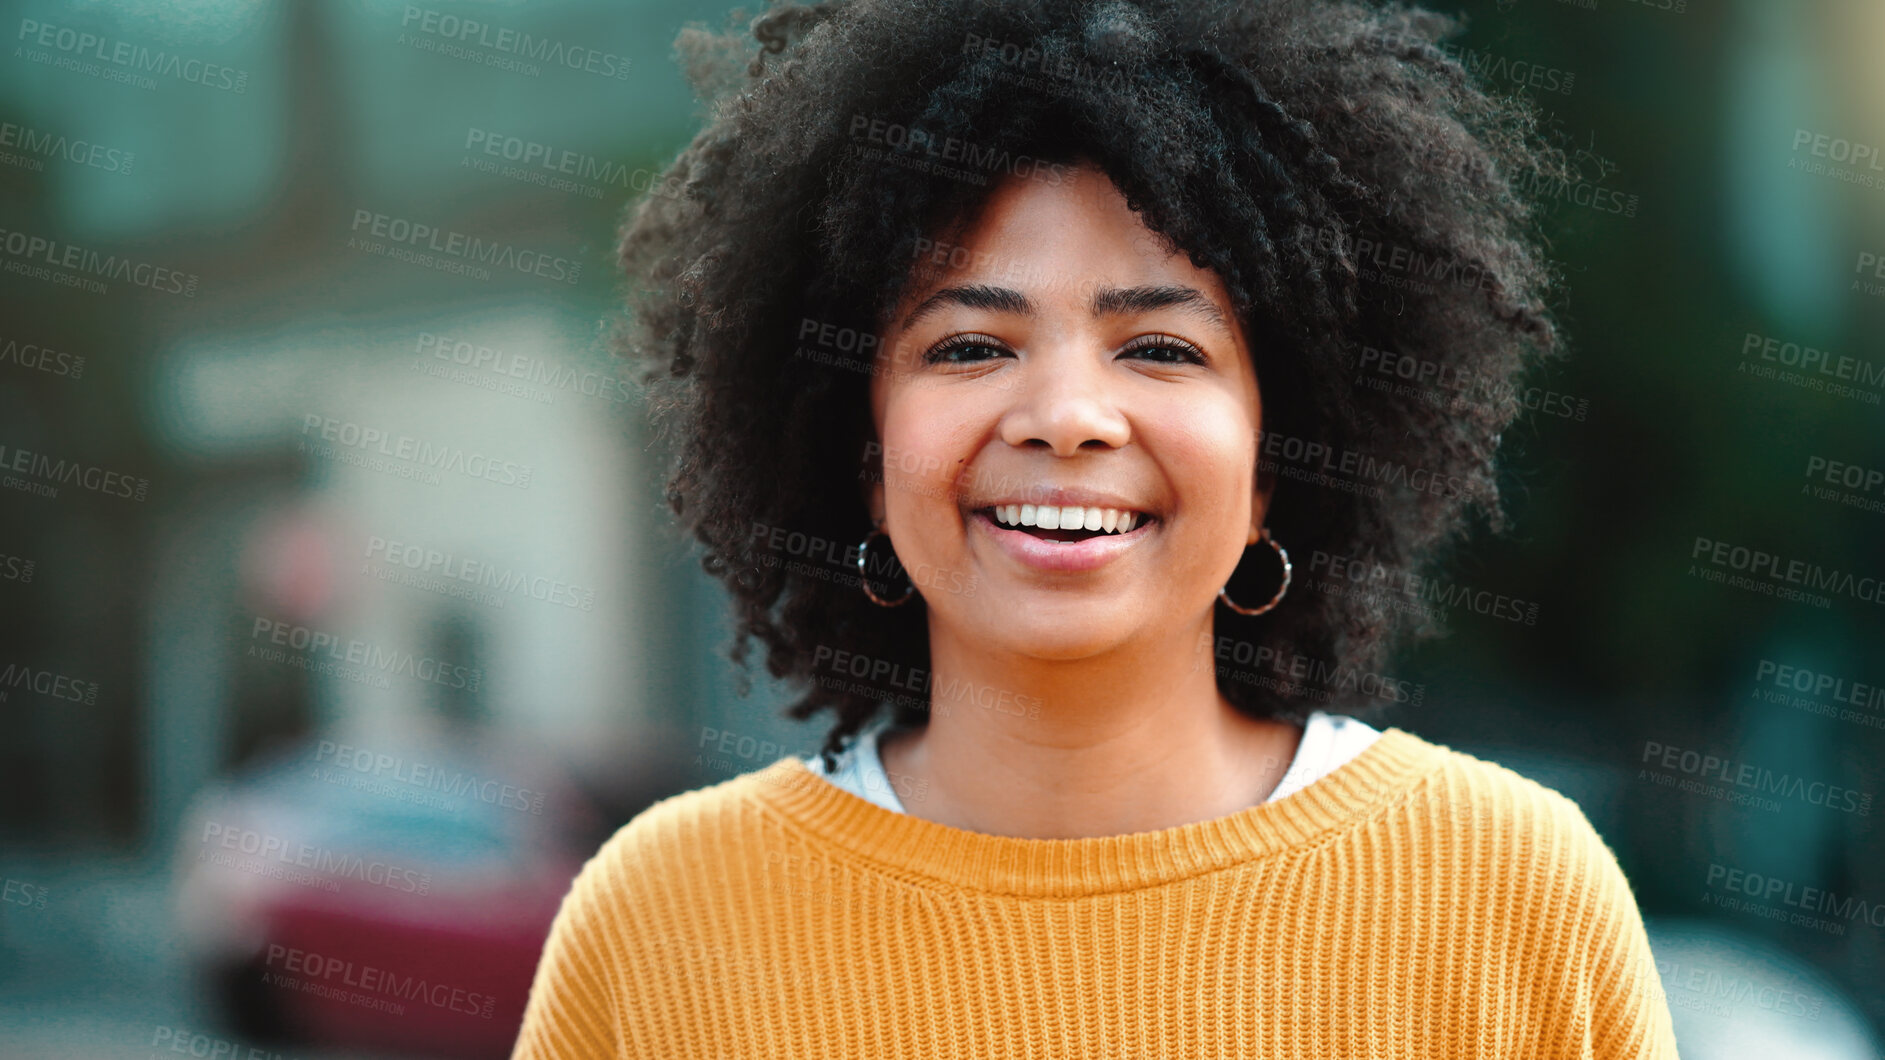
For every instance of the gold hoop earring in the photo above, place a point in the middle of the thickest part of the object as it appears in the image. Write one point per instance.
(863, 578)
(1282, 555)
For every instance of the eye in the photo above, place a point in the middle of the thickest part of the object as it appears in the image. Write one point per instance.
(944, 350)
(1187, 353)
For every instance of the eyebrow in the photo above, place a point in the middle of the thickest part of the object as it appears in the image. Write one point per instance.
(1106, 301)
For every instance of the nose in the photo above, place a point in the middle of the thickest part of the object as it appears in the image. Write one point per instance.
(1068, 395)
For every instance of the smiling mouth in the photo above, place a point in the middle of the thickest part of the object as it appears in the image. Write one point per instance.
(1063, 534)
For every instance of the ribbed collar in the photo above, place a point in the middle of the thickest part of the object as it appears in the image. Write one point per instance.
(1064, 868)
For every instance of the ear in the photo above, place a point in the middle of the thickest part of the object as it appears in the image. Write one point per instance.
(871, 488)
(1260, 504)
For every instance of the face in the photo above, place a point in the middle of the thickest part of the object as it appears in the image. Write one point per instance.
(1072, 359)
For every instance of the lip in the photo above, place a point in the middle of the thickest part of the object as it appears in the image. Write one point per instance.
(1061, 556)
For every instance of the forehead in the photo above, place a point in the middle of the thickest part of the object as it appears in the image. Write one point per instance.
(1058, 236)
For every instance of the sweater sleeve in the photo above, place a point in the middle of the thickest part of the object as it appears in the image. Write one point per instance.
(1628, 1013)
(572, 1012)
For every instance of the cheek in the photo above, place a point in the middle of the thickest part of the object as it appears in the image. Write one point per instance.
(927, 442)
(1209, 450)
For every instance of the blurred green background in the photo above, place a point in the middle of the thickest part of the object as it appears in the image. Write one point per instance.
(340, 618)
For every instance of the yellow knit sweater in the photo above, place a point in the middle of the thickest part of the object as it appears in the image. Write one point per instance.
(1416, 902)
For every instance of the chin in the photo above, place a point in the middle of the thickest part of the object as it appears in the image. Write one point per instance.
(1041, 637)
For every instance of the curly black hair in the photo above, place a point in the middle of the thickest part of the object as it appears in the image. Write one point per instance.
(1359, 194)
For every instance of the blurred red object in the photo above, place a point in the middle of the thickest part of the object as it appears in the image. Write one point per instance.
(399, 907)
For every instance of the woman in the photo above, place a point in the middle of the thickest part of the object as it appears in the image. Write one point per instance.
(1063, 309)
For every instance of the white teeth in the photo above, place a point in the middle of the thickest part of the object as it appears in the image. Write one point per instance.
(1072, 517)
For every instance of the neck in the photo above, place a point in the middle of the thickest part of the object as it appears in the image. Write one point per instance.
(1137, 739)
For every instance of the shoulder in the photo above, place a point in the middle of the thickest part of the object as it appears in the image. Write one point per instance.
(1561, 920)
(1533, 860)
(679, 891)
(688, 842)
(1491, 796)
(1539, 839)
(640, 915)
